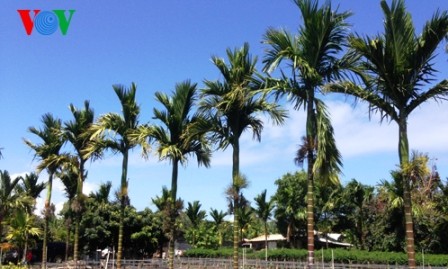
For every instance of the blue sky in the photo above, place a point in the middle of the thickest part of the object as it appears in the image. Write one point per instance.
(159, 43)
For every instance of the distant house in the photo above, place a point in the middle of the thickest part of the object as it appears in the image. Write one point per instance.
(278, 240)
(273, 240)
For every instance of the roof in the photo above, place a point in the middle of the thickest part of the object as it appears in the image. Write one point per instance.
(271, 237)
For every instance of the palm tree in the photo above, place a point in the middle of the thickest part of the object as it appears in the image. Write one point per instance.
(31, 188)
(312, 59)
(175, 142)
(397, 76)
(102, 195)
(8, 197)
(234, 106)
(69, 178)
(196, 216)
(219, 221)
(117, 133)
(22, 225)
(264, 212)
(50, 159)
(78, 133)
(356, 197)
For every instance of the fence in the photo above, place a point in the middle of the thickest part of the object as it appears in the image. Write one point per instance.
(209, 263)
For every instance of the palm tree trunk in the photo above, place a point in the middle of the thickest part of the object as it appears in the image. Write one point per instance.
(79, 206)
(235, 174)
(173, 213)
(310, 219)
(311, 127)
(67, 238)
(76, 239)
(46, 218)
(404, 159)
(266, 241)
(123, 196)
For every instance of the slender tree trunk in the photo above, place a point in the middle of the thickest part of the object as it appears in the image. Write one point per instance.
(78, 210)
(76, 239)
(310, 137)
(1, 226)
(310, 220)
(235, 174)
(123, 197)
(67, 238)
(404, 159)
(25, 249)
(46, 217)
(266, 241)
(173, 213)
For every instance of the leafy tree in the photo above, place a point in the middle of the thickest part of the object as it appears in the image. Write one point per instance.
(395, 67)
(117, 133)
(48, 152)
(263, 211)
(233, 107)
(290, 202)
(175, 142)
(356, 198)
(312, 59)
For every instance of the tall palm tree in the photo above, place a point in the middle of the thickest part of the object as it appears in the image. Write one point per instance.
(69, 178)
(78, 133)
(396, 70)
(235, 106)
(116, 132)
(48, 152)
(263, 211)
(175, 141)
(8, 196)
(219, 221)
(312, 58)
(196, 217)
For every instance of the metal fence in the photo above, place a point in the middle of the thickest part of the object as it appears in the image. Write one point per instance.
(209, 263)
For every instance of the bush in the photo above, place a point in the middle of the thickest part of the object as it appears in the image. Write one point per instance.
(352, 256)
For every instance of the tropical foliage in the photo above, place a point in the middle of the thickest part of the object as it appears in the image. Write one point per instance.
(394, 72)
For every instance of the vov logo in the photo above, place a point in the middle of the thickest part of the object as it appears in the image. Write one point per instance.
(46, 22)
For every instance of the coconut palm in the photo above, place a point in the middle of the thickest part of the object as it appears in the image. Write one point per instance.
(312, 58)
(48, 152)
(8, 196)
(175, 142)
(263, 211)
(78, 133)
(115, 132)
(396, 70)
(235, 106)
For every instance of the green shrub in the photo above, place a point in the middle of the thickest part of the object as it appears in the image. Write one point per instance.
(350, 256)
